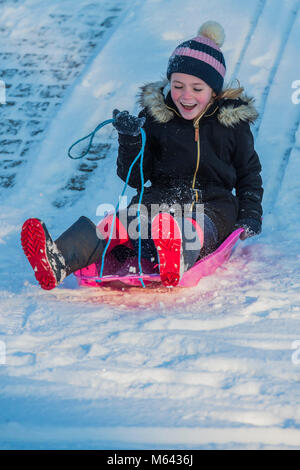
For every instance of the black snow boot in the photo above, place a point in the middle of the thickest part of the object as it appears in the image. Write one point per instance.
(52, 261)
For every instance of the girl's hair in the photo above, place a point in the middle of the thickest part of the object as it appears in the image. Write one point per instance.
(230, 93)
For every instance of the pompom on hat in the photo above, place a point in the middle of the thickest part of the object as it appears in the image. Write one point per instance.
(201, 56)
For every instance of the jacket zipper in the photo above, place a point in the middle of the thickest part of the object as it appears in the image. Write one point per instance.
(197, 140)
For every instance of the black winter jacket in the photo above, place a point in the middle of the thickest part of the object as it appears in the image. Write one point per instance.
(182, 168)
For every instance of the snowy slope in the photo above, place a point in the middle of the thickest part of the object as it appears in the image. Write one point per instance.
(215, 366)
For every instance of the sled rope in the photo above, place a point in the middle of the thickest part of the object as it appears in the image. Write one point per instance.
(140, 157)
(91, 135)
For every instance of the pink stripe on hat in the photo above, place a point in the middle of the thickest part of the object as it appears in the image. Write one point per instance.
(207, 41)
(208, 59)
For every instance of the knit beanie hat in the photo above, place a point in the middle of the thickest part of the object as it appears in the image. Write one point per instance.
(202, 56)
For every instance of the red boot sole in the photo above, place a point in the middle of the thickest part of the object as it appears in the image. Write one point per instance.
(33, 242)
(166, 235)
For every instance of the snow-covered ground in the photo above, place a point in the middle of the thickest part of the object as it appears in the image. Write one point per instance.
(216, 366)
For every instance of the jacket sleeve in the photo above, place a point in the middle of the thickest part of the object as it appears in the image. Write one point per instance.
(129, 147)
(248, 180)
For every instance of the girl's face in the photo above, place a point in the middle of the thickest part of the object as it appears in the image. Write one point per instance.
(190, 94)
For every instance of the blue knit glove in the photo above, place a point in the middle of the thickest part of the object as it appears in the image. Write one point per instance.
(127, 124)
(251, 227)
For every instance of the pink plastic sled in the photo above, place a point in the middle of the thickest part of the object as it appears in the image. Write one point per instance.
(127, 274)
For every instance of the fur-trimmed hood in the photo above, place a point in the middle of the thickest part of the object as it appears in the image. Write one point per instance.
(153, 97)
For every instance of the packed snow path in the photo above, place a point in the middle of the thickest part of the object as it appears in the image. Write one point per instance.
(216, 366)
(44, 48)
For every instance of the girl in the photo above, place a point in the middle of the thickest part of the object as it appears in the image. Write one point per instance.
(199, 148)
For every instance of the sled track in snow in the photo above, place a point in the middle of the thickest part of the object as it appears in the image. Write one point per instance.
(260, 19)
(284, 40)
(292, 134)
(253, 25)
(76, 183)
(284, 165)
(40, 65)
(284, 158)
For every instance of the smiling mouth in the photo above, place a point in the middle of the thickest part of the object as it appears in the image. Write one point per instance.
(188, 107)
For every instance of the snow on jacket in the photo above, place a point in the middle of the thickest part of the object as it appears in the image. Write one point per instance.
(186, 164)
